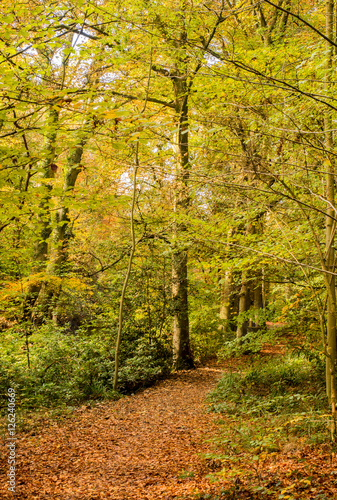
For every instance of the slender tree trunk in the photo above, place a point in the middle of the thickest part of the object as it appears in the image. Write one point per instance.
(226, 290)
(241, 330)
(258, 303)
(128, 271)
(182, 357)
(225, 297)
(330, 227)
(264, 289)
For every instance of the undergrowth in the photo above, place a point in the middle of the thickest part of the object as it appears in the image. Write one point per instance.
(282, 396)
(251, 343)
(65, 371)
(268, 406)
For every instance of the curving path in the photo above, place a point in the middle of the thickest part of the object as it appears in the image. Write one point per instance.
(144, 447)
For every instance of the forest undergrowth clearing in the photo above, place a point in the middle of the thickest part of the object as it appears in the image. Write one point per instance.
(162, 443)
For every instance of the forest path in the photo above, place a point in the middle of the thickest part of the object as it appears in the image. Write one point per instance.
(144, 447)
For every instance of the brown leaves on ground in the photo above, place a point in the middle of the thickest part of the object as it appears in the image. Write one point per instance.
(149, 446)
(140, 447)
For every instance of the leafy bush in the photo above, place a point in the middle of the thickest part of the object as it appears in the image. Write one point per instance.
(67, 369)
(149, 362)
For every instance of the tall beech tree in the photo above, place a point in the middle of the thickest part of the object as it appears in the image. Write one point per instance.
(182, 77)
(177, 33)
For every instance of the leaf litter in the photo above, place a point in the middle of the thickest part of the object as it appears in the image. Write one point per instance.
(152, 446)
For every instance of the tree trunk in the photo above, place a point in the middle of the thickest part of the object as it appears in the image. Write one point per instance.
(182, 356)
(182, 80)
(241, 330)
(225, 297)
(48, 167)
(226, 290)
(258, 302)
(61, 234)
(330, 226)
(62, 231)
(44, 228)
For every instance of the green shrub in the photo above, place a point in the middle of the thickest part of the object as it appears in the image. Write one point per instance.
(149, 362)
(66, 369)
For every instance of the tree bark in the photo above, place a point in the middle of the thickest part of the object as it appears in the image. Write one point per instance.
(44, 228)
(258, 302)
(182, 355)
(62, 231)
(225, 297)
(61, 234)
(330, 226)
(48, 167)
(241, 330)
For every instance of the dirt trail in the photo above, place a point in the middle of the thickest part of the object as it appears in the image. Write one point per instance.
(144, 447)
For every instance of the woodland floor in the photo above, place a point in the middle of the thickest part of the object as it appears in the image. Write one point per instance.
(149, 446)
